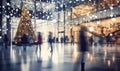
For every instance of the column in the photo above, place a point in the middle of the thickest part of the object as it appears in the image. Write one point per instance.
(0, 21)
(64, 20)
(8, 18)
(35, 16)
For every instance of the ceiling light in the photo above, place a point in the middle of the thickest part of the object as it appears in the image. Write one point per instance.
(82, 0)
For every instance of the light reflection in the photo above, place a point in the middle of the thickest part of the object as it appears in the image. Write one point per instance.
(98, 22)
(105, 10)
(25, 67)
(113, 19)
(38, 55)
(104, 59)
(111, 8)
(91, 29)
(91, 58)
(88, 55)
(75, 53)
(12, 54)
(55, 58)
(113, 58)
(105, 55)
(75, 56)
(44, 52)
(111, 15)
(93, 50)
(109, 63)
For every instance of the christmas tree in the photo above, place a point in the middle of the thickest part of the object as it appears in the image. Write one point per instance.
(25, 26)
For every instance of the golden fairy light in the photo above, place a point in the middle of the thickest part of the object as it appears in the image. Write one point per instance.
(25, 26)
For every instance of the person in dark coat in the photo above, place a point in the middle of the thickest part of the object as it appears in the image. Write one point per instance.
(72, 40)
(83, 42)
(39, 40)
(24, 41)
(50, 40)
(38, 48)
(82, 49)
(6, 40)
(91, 40)
(101, 40)
(109, 40)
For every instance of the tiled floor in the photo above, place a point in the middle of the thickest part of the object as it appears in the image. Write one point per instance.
(64, 58)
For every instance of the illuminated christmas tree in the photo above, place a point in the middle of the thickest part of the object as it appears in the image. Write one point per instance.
(25, 26)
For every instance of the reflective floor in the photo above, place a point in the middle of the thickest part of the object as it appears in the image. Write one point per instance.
(63, 58)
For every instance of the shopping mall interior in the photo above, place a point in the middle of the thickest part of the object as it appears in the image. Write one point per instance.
(66, 16)
(63, 18)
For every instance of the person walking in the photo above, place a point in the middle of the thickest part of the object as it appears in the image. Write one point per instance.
(24, 40)
(91, 41)
(101, 40)
(50, 40)
(30, 39)
(6, 40)
(109, 39)
(83, 41)
(39, 40)
(96, 40)
(82, 49)
(72, 40)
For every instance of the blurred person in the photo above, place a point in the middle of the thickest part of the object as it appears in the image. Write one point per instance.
(72, 40)
(66, 39)
(82, 48)
(30, 39)
(91, 40)
(83, 41)
(101, 40)
(96, 40)
(38, 48)
(39, 40)
(56, 40)
(62, 39)
(6, 40)
(24, 41)
(50, 41)
(109, 39)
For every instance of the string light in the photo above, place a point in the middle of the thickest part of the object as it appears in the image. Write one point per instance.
(25, 25)
(8, 4)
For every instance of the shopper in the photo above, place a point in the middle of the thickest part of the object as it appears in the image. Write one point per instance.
(72, 40)
(39, 40)
(30, 40)
(83, 42)
(6, 40)
(96, 40)
(91, 41)
(109, 40)
(24, 40)
(101, 40)
(50, 40)
(82, 49)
